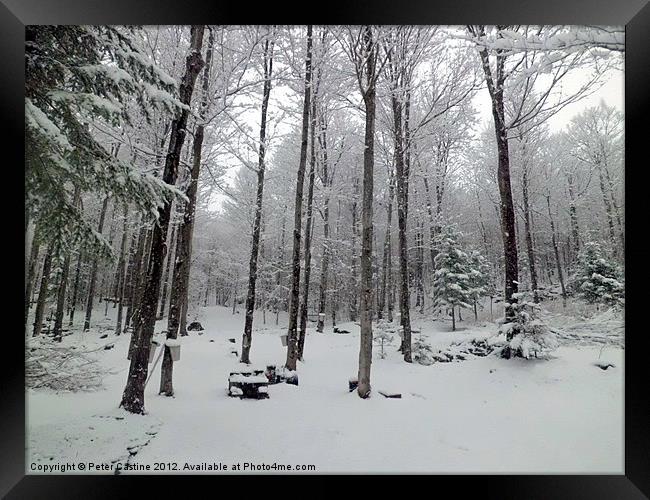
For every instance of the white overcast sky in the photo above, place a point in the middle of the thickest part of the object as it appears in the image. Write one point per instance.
(611, 92)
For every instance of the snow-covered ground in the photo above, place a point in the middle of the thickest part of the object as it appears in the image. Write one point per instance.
(482, 415)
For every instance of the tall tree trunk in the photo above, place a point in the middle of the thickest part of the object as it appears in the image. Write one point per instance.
(573, 215)
(335, 295)
(42, 293)
(136, 248)
(121, 268)
(308, 226)
(608, 205)
(261, 167)
(327, 185)
(507, 211)
(63, 284)
(529, 238)
(386, 260)
(353, 290)
(93, 271)
(402, 216)
(180, 282)
(133, 397)
(33, 259)
(75, 289)
(365, 350)
(292, 334)
(171, 255)
(556, 251)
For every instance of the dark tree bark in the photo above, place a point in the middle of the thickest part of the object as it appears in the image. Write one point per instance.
(178, 298)
(528, 231)
(33, 259)
(308, 228)
(573, 215)
(42, 293)
(335, 295)
(121, 269)
(133, 396)
(292, 335)
(386, 272)
(556, 250)
(247, 338)
(607, 201)
(495, 84)
(327, 186)
(63, 284)
(354, 279)
(168, 270)
(365, 350)
(136, 248)
(93, 271)
(75, 289)
(402, 174)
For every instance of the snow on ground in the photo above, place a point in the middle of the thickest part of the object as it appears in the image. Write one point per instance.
(482, 415)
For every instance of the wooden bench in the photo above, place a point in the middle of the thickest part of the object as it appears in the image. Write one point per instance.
(248, 384)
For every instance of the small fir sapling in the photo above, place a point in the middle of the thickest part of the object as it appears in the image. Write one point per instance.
(480, 279)
(527, 335)
(598, 280)
(382, 336)
(451, 283)
(422, 351)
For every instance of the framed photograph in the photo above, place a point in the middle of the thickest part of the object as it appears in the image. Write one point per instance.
(387, 243)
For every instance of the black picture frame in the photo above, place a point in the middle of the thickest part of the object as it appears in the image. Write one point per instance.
(634, 14)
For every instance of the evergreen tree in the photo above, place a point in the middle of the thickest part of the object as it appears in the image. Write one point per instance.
(598, 280)
(75, 78)
(452, 286)
(480, 278)
(527, 335)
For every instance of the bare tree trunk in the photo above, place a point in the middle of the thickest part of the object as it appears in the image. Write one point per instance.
(308, 227)
(75, 289)
(33, 259)
(252, 272)
(495, 86)
(402, 216)
(353, 294)
(180, 282)
(93, 272)
(327, 186)
(386, 261)
(42, 293)
(63, 283)
(573, 215)
(121, 267)
(335, 295)
(143, 276)
(607, 201)
(171, 256)
(529, 239)
(365, 350)
(556, 251)
(133, 397)
(134, 270)
(292, 334)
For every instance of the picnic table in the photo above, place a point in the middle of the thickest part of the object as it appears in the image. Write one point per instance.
(248, 384)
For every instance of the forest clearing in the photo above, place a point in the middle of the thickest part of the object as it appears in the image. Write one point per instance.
(452, 417)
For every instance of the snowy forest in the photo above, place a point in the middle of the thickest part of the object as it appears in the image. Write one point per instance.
(398, 237)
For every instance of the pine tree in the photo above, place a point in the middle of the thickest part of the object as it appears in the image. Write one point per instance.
(527, 335)
(598, 280)
(77, 76)
(451, 283)
(479, 278)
